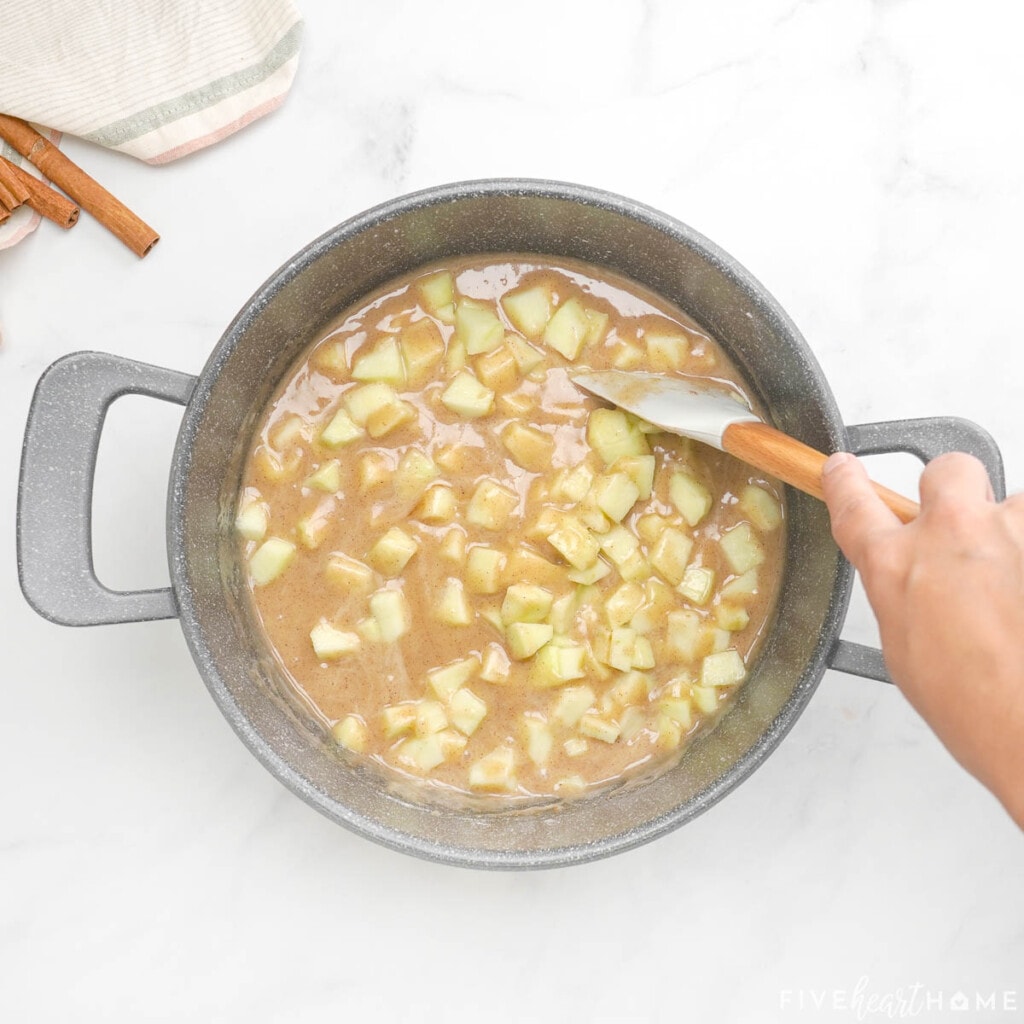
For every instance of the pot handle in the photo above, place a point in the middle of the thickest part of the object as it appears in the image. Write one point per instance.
(926, 438)
(58, 463)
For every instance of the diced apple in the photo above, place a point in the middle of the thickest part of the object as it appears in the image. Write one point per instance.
(270, 559)
(529, 447)
(288, 432)
(643, 653)
(620, 545)
(525, 602)
(422, 753)
(494, 771)
(483, 569)
(572, 704)
(525, 564)
(669, 733)
(690, 496)
(491, 505)
(430, 717)
(650, 526)
(391, 553)
(452, 608)
(382, 362)
(526, 356)
(526, 638)
(598, 728)
(453, 546)
(437, 292)
(760, 507)
(518, 404)
(467, 397)
(613, 434)
(586, 577)
(453, 743)
(312, 529)
(390, 417)
(571, 785)
(252, 520)
(726, 668)
(327, 477)
(671, 553)
(640, 469)
(437, 505)
(597, 326)
(632, 687)
(623, 603)
(416, 471)
(557, 664)
(466, 711)
(539, 741)
(497, 369)
(666, 350)
(398, 718)
(496, 666)
(422, 349)
(621, 645)
(685, 634)
(572, 484)
(478, 327)
(447, 679)
(742, 588)
(455, 357)
(575, 746)
(374, 469)
(567, 329)
(363, 401)
(627, 356)
(705, 698)
(340, 430)
(351, 733)
(330, 643)
(631, 723)
(391, 611)
(731, 617)
(369, 630)
(277, 467)
(697, 584)
(741, 548)
(529, 308)
(575, 543)
(332, 358)
(615, 494)
(348, 573)
(679, 710)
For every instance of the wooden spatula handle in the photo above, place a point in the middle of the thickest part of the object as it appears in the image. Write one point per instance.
(796, 463)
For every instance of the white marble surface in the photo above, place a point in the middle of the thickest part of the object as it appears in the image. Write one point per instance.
(865, 161)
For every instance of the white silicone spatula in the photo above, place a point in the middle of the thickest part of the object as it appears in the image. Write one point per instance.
(706, 413)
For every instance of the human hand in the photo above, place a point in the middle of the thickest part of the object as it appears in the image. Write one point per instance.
(948, 592)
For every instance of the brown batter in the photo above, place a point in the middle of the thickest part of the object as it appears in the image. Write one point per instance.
(502, 479)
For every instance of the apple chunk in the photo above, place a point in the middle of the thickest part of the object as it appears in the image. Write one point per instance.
(467, 397)
(271, 559)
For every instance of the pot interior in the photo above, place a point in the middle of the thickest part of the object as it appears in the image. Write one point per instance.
(292, 308)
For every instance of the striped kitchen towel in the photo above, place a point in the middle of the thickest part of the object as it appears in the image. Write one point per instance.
(157, 79)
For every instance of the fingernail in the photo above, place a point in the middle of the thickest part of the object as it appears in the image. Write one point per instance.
(833, 462)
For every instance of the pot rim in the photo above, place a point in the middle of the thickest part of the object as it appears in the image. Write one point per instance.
(191, 623)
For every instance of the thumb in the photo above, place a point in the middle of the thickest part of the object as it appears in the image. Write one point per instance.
(858, 514)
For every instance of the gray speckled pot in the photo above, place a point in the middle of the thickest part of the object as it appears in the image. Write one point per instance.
(62, 435)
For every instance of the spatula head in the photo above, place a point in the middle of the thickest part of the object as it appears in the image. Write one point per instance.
(689, 407)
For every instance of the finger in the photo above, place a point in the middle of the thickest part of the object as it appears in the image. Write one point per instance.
(858, 514)
(957, 477)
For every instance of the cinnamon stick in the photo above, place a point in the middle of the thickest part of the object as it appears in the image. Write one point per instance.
(7, 199)
(88, 193)
(10, 181)
(47, 202)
